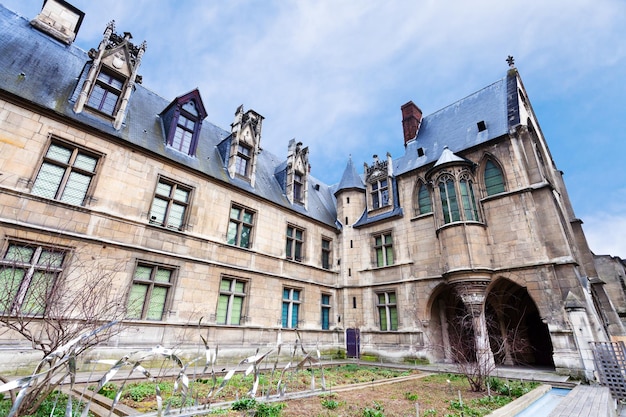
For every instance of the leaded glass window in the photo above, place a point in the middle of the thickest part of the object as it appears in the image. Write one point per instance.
(387, 310)
(149, 292)
(170, 204)
(230, 303)
(494, 179)
(65, 174)
(240, 226)
(383, 246)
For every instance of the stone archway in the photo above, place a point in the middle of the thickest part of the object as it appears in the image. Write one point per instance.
(517, 335)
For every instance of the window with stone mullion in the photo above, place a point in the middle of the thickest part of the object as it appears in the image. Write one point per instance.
(388, 311)
(240, 227)
(27, 274)
(230, 303)
(65, 174)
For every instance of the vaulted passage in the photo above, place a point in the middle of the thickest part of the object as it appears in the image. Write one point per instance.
(517, 335)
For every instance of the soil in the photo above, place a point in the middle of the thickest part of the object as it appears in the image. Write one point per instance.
(393, 399)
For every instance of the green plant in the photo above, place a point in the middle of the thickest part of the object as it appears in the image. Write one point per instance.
(244, 404)
(269, 410)
(375, 411)
(410, 396)
(139, 392)
(108, 390)
(430, 412)
(330, 404)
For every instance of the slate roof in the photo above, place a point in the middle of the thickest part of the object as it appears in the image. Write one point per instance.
(350, 180)
(46, 72)
(455, 126)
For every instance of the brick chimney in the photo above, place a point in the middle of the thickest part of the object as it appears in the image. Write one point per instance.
(411, 119)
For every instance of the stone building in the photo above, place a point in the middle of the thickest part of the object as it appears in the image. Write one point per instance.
(205, 233)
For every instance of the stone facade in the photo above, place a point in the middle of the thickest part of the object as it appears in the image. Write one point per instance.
(256, 247)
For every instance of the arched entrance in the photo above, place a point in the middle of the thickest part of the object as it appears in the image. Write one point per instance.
(517, 335)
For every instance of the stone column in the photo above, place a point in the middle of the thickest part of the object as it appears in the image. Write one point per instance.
(472, 292)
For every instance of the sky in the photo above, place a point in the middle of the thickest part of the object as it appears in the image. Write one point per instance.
(333, 75)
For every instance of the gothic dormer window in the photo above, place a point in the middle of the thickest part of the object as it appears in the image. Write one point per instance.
(242, 160)
(296, 173)
(182, 120)
(106, 92)
(109, 79)
(240, 149)
(379, 183)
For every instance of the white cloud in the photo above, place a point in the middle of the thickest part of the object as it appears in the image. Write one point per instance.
(606, 233)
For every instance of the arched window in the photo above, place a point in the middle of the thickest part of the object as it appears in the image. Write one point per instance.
(494, 180)
(470, 211)
(424, 203)
(449, 203)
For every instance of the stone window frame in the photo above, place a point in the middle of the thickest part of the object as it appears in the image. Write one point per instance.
(151, 283)
(325, 309)
(243, 160)
(422, 199)
(327, 253)
(380, 193)
(72, 168)
(40, 268)
(171, 201)
(493, 177)
(457, 196)
(108, 88)
(291, 304)
(240, 223)
(386, 308)
(294, 246)
(231, 293)
(383, 250)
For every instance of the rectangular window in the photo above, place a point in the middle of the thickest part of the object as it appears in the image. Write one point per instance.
(170, 204)
(240, 226)
(380, 194)
(65, 174)
(149, 292)
(242, 160)
(291, 308)
(183, 135)
(325, 311)
(384, 249)
(297, 187)
(230, 303)
(106, 93)
(27, 274)
(326, 253)
(387, 311)
(295, 242)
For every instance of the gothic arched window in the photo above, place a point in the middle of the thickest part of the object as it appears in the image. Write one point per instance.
(424, 203)
(470, 210)
(494, 179)
(449, 203)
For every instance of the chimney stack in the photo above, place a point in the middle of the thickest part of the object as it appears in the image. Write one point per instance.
(411, 119)
(59, 19)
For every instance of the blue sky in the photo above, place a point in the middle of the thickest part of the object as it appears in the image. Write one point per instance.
(333, 75)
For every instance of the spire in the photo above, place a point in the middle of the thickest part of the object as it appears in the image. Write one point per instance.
(350, 179)
(448, 156)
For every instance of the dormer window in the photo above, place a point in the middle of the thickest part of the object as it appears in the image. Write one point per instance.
(242, 160)
(379, 179)
(380, 194)
(297, 187)
(182, 120)
(106, 93)
(108, 80)
(183, 135)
